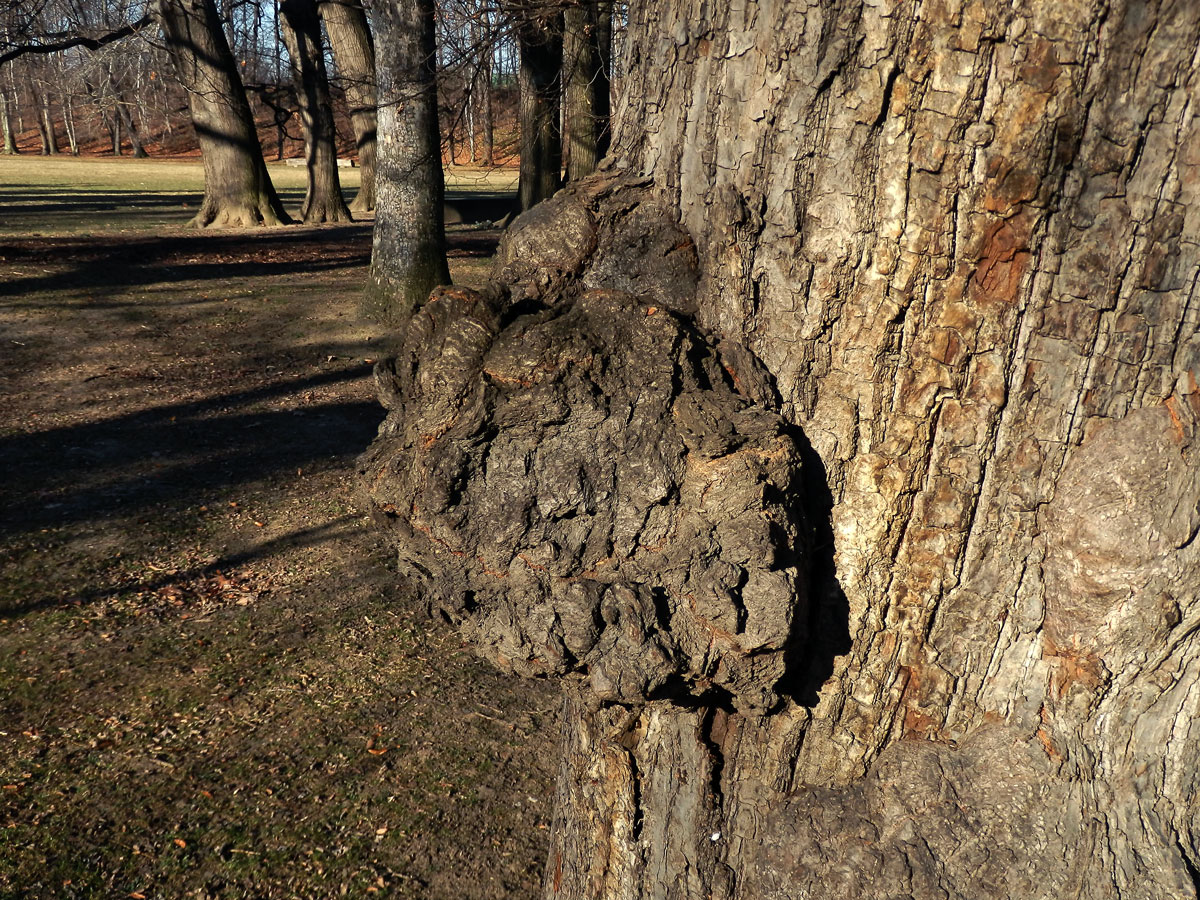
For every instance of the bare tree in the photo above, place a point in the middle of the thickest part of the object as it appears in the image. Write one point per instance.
(354, 53)
(539, 29)
(586, 63)
(301, 27)
(237, 188)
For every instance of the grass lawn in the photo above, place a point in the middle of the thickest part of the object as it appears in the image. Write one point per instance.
(212, 683)
(62, 195)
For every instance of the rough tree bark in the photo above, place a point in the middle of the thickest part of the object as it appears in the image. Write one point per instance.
(237, 188)
(300, 26)
(539, 28)
(963, 239)
(587, 46)
(408, 251)
(354, 52)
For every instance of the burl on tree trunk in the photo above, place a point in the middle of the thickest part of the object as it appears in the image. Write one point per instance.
(869, 557)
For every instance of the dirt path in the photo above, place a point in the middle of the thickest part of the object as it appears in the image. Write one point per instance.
(211, 682)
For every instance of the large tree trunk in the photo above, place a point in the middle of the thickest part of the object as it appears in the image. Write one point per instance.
(540, 35)
(964, 243)
(354, 52)
(237, 188)
(964, 240)
(408, 253)
(301, 28)
(587, 47)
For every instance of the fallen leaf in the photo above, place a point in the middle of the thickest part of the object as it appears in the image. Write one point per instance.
(371, 747)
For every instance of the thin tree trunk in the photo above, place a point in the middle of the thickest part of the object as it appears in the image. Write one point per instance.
(587, 47)
(112, 122)
(237, 188)
(540, 79)
(354, 52)
(472, 147)
(49, 136)
(131, 129)
(301, 27)
(15, 93)
(408, 255)
(69, 123)
(10, 141)
(483, 86)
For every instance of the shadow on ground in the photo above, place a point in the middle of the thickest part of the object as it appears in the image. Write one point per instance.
(212, 681)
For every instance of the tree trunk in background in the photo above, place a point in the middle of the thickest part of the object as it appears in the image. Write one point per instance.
(10, 140)
(587, 46)
(301, 29)
(408, 253)
(966, 244)
(64, 101)
(354, 52)
(49, 135)
(135, 135)
(482, 95)
(539, 33)
(237, 188)
(113, 124)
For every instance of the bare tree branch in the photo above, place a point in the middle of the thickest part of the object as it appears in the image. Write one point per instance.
(90, 43)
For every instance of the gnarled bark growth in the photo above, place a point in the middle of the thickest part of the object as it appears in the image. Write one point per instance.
(595, 487)
(964, 240)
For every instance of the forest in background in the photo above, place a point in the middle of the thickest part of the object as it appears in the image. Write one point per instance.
(120, 97)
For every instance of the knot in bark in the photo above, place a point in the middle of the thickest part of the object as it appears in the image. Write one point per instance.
(592, 488)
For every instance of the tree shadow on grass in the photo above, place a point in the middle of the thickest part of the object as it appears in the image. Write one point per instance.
(175, 455)
(120, 262)
(115, 263)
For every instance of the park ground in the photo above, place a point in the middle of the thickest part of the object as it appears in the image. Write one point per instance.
(212, 682)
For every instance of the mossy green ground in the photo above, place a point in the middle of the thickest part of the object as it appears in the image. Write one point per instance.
(212, 683)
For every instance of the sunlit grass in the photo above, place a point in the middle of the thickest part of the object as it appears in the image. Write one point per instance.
(64, 195)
